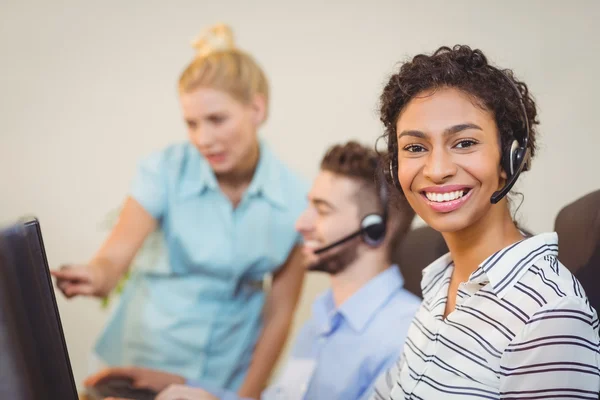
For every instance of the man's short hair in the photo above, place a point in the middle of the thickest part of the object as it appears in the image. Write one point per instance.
(356, 161)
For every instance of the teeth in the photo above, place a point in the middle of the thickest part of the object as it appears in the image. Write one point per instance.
(441, 197)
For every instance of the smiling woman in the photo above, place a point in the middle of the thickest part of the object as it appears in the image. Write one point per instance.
(501, 317)
(459, 140)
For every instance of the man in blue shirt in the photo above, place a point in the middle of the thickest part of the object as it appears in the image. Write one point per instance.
(358, 326)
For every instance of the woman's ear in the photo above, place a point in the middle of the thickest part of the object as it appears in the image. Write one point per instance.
(259, 109)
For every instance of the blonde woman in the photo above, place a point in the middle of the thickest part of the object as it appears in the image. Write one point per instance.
(226, 206)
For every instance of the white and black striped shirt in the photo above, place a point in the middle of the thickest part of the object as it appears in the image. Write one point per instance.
(522, 329)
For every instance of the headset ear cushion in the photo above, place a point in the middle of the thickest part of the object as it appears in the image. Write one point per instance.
(373, 228)
(518, 156)
(392, 171)
(509, 160)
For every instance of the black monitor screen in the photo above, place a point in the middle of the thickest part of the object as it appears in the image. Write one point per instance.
(34, 362)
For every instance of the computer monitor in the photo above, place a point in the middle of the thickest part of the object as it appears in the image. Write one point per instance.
(34, 362)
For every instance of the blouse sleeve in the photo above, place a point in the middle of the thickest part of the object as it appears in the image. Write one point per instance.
(149, 187)
(556, 355)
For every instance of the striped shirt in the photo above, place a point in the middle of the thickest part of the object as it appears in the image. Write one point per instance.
(522, 329)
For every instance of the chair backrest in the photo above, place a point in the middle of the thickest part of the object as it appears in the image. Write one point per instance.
(419, 248)
(578, 229)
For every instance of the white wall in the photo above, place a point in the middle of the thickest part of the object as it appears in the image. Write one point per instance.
(86, 88)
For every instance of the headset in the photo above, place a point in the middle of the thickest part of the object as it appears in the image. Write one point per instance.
(514, 159)
(372, 227)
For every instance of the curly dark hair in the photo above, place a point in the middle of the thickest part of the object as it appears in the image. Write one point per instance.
(360, 162)
(468, 70)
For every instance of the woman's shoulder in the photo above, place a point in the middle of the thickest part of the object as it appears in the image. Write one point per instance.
(548, 284)
(171, 155)
(294, 185)
(559, 314)
(285, 171)
(173, 163)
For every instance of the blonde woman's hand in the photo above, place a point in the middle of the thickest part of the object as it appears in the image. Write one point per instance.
(183, 392)
(81, 280)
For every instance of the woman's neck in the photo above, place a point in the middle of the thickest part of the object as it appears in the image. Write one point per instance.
(242, 174)
(471, 246)
(234, 183)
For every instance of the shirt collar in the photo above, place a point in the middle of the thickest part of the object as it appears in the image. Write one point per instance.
(197, 176)
(267, 178)
(433, 276)
(502, 269)
(361, 307)
(505, 268)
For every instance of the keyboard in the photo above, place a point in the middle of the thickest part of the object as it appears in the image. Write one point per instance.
(119, 388)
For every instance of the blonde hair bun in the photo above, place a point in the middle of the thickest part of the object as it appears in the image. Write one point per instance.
(220, 65)
(216, 38)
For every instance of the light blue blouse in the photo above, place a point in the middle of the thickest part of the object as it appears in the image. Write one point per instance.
(190, 312)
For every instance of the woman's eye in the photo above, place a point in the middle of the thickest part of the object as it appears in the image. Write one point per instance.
(463, 144)
(217, 119)
(414, 148)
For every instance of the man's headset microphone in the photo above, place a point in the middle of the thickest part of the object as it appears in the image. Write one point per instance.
(373, 228)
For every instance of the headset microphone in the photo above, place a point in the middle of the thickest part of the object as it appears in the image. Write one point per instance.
(372, 230)
(514, 159)
(373, 226)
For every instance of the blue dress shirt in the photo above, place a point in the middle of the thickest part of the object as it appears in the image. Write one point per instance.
(190, 312)
(348, 347)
